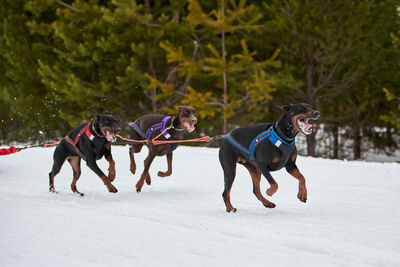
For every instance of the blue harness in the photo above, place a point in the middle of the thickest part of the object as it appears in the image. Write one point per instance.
(285, 147)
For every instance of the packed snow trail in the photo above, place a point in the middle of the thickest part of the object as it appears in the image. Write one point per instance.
(351, 218)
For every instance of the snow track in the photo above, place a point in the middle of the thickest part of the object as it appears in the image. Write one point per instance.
(351, 218)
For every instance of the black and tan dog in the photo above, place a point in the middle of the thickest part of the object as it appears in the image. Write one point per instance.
(266, 147)
(150, 126)
(90, 142)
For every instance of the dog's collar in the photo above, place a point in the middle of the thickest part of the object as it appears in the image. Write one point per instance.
(94, 129)
(281, 136)
(175, 128)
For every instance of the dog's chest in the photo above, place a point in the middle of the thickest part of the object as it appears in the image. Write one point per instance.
(98, 147)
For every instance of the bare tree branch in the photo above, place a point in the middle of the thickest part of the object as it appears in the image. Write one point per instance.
(68, 6)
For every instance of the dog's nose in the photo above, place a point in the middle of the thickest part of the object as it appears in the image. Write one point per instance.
(117, 130)
(194, 121)
(316, 113)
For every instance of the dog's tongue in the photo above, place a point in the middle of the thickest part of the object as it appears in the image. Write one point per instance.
(305, 127)
(110, 136)
(189, 127)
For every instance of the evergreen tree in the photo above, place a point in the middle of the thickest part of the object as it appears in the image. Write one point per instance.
(235, 67)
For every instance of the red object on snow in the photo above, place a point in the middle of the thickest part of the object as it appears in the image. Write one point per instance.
(6, 151)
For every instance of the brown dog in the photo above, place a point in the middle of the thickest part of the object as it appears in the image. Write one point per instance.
(150, 126)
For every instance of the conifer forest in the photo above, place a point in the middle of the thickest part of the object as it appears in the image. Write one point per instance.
(235, 61)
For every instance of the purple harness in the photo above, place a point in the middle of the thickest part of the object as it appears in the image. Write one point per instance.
(154, 127)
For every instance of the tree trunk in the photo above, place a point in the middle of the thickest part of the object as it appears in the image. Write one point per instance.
(335, 142)
(310, 91)
(357, 142)
(225, 120)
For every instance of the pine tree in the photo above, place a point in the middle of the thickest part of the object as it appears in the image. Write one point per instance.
(235, 70)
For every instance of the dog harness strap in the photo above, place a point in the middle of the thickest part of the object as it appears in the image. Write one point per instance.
(137, 129)
(158, 126)
(89, 134)
(285, 147)
(69, 140)
(236, 144)
(86, 130)
(164, 122)
(257, 140)
(81, 132)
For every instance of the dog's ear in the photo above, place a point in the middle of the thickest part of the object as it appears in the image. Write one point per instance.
(285, 108)
(180, 109)
(107, 112)
(97, 115)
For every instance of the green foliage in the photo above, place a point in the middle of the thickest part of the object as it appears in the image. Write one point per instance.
(62, 61)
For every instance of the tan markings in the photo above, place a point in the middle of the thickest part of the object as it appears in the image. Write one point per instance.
(228, 203)
(107, 183)
(293, 157)
(111, 168)
(276, 159)
(302, 194)
(75, 164)
(256, 178)
(272, 189)
(303, 115)
(241, 161)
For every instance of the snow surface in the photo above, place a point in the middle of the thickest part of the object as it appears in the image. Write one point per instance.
(351, 218)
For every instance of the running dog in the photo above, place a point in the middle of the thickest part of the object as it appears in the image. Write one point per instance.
(90, 142)
(150, 126)
(266, 147)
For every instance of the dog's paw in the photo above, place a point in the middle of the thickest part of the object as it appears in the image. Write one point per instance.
(272, 190)
(133, 169)
(52, 190)
(112, 189)
(269, 205)
(164, 174)
(231, 209)
(302, 195)
(139, 187)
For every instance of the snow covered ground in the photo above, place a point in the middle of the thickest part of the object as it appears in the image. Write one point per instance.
(351, 218)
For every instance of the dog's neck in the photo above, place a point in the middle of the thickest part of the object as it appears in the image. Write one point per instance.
(97, 130)
(176, 124)
(284, 128)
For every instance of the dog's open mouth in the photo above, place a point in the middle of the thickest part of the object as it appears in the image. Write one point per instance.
(304, 125)
(189, 126)
(110, 136)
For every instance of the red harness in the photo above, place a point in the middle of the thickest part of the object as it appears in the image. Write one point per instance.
(84, 130)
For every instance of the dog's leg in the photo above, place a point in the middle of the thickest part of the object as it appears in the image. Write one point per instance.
(302, 194)
(292, 169)
(272, 183)
(111, 162)
(91, 163)
(132, 150)
(145, 175)
(59, 158)
(228, 163)
(169, 162)
(256, 178)
(76, 168)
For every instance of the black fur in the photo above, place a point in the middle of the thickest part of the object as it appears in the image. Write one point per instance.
(268, 157)
(88, 150)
